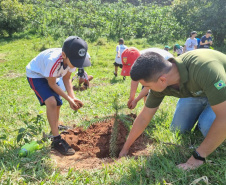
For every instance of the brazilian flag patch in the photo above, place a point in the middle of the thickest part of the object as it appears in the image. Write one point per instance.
(220, 84)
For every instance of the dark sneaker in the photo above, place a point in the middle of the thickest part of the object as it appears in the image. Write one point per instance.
(63, 147)
(124, 77)
(63, 127)
(115, 74)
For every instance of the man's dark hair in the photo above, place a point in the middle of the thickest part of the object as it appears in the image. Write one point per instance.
(149, 66)
(121, 41)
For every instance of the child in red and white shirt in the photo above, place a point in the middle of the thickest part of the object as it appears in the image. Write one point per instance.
(42, 73)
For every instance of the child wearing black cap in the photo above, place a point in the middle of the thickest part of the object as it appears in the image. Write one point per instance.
(42, 73)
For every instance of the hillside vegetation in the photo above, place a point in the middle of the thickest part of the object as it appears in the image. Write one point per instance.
(93, 19)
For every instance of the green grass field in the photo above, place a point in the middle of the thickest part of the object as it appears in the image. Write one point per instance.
(20, 114)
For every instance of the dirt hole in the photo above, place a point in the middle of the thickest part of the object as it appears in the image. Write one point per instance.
(92, 145)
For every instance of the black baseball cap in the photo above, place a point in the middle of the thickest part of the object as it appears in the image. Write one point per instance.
(209, 31)
(75, 49)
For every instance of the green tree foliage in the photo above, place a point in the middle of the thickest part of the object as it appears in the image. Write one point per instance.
(202, 15)
(13, 16)
(92, 19)
(138, 2)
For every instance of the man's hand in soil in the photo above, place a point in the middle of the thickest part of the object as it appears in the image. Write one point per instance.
(191, 164)
(140, 123)
(123, 153)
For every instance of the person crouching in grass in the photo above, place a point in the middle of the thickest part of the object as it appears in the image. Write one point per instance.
(42, 73)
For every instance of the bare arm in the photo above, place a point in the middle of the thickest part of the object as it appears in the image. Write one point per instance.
(52, 83)
(184, 49)
(210, 42)
(57, 89)
(133, 89)
(217, 132)
(142, 94)
(118, 52)
(140, 123)
(69, 89)
(134, 85)
(68, 85)
(215, 136)
(201, 43)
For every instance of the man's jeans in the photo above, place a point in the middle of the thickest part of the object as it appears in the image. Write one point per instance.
(188, 111)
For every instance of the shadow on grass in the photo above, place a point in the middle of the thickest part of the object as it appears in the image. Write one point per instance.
(117, 80)
(24, 35)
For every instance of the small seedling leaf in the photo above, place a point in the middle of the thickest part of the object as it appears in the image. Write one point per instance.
(19, 137)
(26, 140)
(31, 127)
(3, 137)
(21, 130)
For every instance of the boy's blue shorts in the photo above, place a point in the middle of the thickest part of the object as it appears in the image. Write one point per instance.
(43, 91)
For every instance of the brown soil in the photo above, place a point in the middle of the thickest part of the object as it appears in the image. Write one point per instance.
(78, 88)
(92, 146)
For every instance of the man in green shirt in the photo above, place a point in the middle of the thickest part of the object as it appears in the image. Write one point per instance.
(198, 73)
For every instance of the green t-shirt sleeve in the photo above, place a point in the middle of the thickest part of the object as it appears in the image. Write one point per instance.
(154, 99)
(212, 79)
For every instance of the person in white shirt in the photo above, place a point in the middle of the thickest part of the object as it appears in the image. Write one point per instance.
(83, 77)
(191, 43)
(42, 73)
(178, 49)
(119, 49)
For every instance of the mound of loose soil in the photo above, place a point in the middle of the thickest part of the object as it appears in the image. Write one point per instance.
(92, 145)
